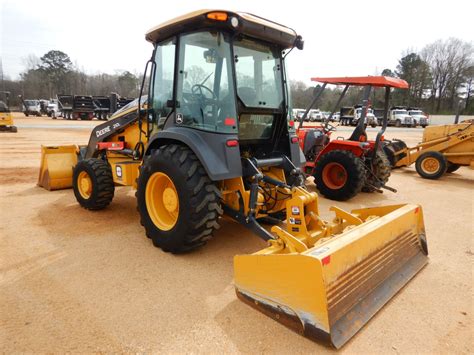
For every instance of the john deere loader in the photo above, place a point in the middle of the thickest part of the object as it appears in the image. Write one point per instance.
(213, 137)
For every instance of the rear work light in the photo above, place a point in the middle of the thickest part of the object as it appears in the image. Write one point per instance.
(217, 16)
(229, 121)
(232, 143)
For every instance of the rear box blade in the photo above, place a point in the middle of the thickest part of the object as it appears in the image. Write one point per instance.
(329, 292)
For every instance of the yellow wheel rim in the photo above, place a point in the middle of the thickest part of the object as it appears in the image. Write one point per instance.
(84, 184)
(162, 201)
(430, 165)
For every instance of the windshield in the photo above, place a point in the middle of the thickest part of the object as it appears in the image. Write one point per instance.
(205, 91)
(415, 113)
(258, 71)
(400, 112)
(31, 102)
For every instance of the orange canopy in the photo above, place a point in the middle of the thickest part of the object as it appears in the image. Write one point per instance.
(380, 81)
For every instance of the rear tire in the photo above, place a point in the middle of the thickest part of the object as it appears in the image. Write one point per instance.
(431, 165)
(390, 148)
(93, 183)
(380, 173)
(191, 217)
(452, 167)
(339, 175)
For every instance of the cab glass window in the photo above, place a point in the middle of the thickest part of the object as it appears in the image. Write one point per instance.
(163, 78)
(258, 71)
(205, 91)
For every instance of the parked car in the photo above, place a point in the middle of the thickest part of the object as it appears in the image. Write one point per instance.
(315, 115)
(349, 116)
(53, 109)
(399, 117)
(419, 117)
(298, 113)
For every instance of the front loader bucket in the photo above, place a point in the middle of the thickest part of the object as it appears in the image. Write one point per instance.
(330, 291)
(56, 166)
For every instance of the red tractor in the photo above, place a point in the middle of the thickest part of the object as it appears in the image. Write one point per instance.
(344, 167)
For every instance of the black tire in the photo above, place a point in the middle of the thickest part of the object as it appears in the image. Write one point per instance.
(199, 199)
(26, 114)
(452, 167)
(439, 167)
(423, 125)
(13, 129)
(378, 174)
(102, 191)
(391, 147)
(354, 171)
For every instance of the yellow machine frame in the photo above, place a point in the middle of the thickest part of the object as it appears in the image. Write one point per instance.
(456, 142)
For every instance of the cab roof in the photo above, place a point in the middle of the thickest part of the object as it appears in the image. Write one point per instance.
(238, 22)
(378, 81)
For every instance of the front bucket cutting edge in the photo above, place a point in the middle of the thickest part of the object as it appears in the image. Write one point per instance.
(56, 166)
(330, 291)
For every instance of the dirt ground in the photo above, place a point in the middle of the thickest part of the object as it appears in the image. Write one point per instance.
(72, 280)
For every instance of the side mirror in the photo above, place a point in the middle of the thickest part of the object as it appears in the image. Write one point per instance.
(299, 43)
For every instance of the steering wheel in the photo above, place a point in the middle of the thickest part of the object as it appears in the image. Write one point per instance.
(328, 127)
(198, 89)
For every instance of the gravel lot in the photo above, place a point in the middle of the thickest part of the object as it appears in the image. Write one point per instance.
(72, 280)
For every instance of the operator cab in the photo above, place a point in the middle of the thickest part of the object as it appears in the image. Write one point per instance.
(223, 74)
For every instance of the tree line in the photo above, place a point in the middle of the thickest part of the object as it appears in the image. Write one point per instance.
(54, 73)
(441, 79)
(440, 75)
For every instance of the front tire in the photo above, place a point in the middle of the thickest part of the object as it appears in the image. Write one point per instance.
(379, 173)
(339, 175)
(93, 183)
(431, 165)
(178, 204)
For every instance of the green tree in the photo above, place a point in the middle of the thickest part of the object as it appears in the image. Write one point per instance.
(388, 72)
(416, 72)
(56, 66)
(128, 84)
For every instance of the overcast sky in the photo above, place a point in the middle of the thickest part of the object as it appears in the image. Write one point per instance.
(358, 37)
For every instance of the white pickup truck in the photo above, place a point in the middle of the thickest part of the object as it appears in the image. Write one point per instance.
(315, 115)
(400, 118)
(419, 117)
(350, 116)
(53, 109)
(31, 107)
